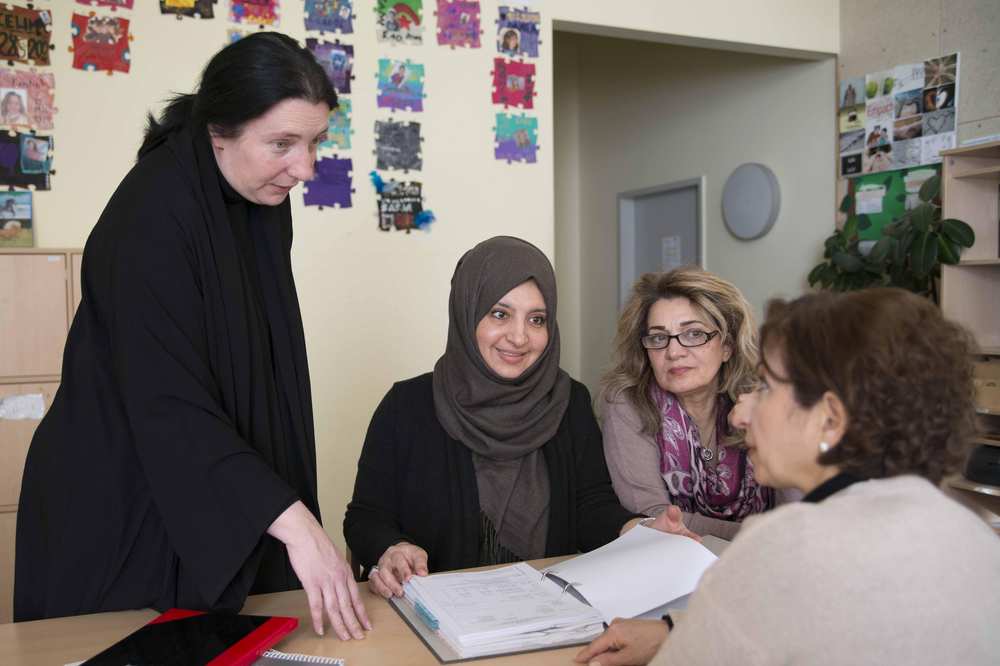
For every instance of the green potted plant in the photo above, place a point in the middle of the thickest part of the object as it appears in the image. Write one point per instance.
(909, 254)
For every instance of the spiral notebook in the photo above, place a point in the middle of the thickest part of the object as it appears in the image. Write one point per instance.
(278, 658)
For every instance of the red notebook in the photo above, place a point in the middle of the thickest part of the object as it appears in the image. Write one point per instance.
(181, 637)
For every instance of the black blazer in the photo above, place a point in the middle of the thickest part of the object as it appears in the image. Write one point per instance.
(415, 483)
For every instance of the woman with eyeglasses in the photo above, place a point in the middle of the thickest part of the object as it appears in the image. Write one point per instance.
(865, 403)
(686, 347)
(495, 456)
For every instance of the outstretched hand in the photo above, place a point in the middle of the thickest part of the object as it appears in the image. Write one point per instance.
(625, 642)
(671, 521)
(325, 576)
(397, 565)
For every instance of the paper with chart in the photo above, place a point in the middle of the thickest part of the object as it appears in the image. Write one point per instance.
(641, 570)
(508, 608)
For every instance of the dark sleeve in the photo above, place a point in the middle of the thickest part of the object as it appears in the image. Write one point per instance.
(371, 524)
(600, 516)
(215, 493)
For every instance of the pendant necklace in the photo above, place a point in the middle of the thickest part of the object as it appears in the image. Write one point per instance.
(708, 454)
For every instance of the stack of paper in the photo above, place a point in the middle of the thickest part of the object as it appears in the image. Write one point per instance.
(499, 611)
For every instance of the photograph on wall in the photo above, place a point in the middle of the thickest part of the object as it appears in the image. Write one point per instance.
(11, 173)
(400, 206)
(908, 104)
(516, 138)
(192, 8)
(399, 21)
(907, 128)
(941, 71)
(25, 34)
(939, 98)
(939, 122)
(15, 220)
(255, 12)
(338, 133)
(517, 32)
(850, 164)
(458, 23)
(908, 77)
(337, 60)
(400, 85)
(113, 4)
(513, 83)
(335, 16)
(851, 119)
(101, 43)
(877, 158)
(852, 142)
(36, 154)
(397, 146)
(331, 184)
(14, 107)
(932, 146)
(852, 93)
(878, 84)
(907, 153)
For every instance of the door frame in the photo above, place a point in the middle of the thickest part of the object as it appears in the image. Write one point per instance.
(626, 228)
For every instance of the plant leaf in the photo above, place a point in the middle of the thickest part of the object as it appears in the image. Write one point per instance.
(847, 204)
(847, 262)
(815, 274)
(864, 222)
(881, 249)
(958, 232)
(947, 251)
(930, 189)
(924, 254)
(901, 197)
(922, 216)
(850, 229)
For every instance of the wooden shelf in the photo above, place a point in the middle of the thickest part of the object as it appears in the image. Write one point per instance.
(989, 149)
(962, 483)
(984, 173)
(985, 440)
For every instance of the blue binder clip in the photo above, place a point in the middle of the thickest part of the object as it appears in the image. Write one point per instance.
(426, 616)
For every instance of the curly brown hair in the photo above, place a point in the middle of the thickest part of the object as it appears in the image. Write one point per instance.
(631, 375)
(903, 372)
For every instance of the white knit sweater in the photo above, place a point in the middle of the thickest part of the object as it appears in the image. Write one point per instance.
(883, 572)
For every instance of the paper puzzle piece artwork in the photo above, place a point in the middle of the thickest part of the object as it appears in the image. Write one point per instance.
(458, 23)
(101, 43)
(336, 59)
(254, 12)
(234, 35)
(25, 34)
(517, 32)
(513, 83)
(400, 205)
(113, 4)
(330, 16)
(36, 154)
(331, 184)
(397, 146)
(516, 138)
(27, 98)
(10, 163)
(400, 85)
(399, 21)
(192, 8)
(338, 133)
(941, 71)
(15, 220)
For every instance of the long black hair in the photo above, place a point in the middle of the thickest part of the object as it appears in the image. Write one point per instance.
(242, 82)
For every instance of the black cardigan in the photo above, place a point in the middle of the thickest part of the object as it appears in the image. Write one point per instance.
(415, 483)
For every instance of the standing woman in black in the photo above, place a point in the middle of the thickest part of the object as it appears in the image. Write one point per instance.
(177, 464)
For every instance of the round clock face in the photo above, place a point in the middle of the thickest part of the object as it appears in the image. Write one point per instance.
(751, 200)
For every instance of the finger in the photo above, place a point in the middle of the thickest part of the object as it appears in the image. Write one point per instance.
(333, 612)
(403, 569)
(599, 645)
(674, 515)
(420, 562)
(347, 611)
(359, 607)
(391, 578)
(376, 585)
(315, 598)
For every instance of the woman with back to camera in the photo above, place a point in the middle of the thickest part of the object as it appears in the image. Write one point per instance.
(495, 456)
(179, 448)
(865, 403)
(686, 347)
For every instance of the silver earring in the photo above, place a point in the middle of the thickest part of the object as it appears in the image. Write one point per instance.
(823, 447)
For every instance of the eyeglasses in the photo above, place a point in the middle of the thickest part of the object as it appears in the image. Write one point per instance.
(692, 338)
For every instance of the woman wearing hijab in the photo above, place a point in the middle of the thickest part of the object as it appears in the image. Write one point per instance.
(865, 403)
(176, 466)
(495, 456)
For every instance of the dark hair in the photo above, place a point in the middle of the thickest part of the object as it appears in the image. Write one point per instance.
(242, 82)
(903, 372)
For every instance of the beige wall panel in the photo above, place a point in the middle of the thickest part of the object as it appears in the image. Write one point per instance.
(973, 27)
(33, 321)
(877, 34)
(8, 522)
(986, 127)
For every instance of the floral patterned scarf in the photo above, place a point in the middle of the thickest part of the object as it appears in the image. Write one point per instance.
(726, 490)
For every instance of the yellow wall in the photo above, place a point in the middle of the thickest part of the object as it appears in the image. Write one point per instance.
(375, 304)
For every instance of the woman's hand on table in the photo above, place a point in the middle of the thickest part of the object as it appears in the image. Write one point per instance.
(397, 565)
(323, 572)
(670, 521)
(625, 642)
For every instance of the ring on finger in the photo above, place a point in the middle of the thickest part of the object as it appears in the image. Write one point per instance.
(372, 571)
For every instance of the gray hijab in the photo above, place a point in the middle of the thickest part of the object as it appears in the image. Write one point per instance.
(503, 421)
